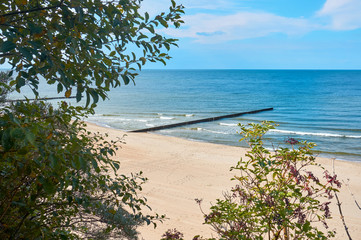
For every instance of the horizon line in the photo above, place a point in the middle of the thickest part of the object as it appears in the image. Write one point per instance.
(278, 69)
(245, 69)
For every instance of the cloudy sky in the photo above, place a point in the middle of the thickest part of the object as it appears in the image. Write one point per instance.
(266, 34)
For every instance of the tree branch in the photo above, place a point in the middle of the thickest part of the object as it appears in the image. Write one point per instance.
(31, 10)
(339, 205)
(8, 55)
(348, 188)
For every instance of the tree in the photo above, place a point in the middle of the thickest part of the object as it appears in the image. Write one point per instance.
(57, 180)
(81, 44)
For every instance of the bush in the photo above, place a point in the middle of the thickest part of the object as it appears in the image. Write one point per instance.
(172, 234)
(58, 181)
(276, 196)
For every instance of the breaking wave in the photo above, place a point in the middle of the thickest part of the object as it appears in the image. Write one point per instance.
(314, 134)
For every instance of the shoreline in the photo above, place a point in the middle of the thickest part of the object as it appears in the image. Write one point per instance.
(181, 170)
(318, 153)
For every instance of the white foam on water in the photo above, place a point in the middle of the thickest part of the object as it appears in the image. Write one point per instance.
(314, 134)
(166, 118)
(216, 132)
(229, 124)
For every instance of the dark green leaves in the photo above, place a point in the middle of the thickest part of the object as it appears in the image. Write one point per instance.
(17, 133)
(125, 79)
(7, 46)
(49, 163)
(20, 82)
(54, 169)
(34, 29)
(6, 139)
(67, 41)
(26, 53)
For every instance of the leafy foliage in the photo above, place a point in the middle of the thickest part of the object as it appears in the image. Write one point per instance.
(276, 195)
(172, 234)
(4, 85)
(81, 44)
(57, 180)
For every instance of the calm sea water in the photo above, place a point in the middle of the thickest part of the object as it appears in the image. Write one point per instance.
(319, 106)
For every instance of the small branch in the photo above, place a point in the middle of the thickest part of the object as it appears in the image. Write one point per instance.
(31, 10)
(342, 217)
(348, 188)
(13, 236)
(39, 99)
(8, 54)
(339, 205)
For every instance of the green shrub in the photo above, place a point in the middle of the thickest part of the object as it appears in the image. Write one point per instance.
(58, 181)
(276, 195)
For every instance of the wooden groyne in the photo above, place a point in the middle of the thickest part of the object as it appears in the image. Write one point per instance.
(200, 121)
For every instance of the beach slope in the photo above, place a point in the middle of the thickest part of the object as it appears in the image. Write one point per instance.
(180, 171)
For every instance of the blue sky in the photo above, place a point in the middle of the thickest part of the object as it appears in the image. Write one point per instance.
(265, 34)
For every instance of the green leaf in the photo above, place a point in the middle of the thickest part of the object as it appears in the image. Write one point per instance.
(76, 163)
(107, 61)
(60, 87)
(5, 139)
(134, 57)
(49, 187)
(142, 36)
(143, 59)
(27, 54)
(20, 83)
(54, 162)
(78, 94)
(30, 136)
(163, 22)
(83, 163)
(94, 95)
(126, 79)
(17, 133)
(116, 165)
(34, 29)
(7, 46)
(36, 45)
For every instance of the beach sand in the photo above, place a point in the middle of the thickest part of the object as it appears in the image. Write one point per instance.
(180, 170)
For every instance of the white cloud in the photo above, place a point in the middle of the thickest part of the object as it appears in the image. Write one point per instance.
(344, 14)
(237, 24)
(208, 28)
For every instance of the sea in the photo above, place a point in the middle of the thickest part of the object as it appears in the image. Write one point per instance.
(320, 106)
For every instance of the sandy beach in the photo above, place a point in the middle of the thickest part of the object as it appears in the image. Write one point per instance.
(180, 170)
